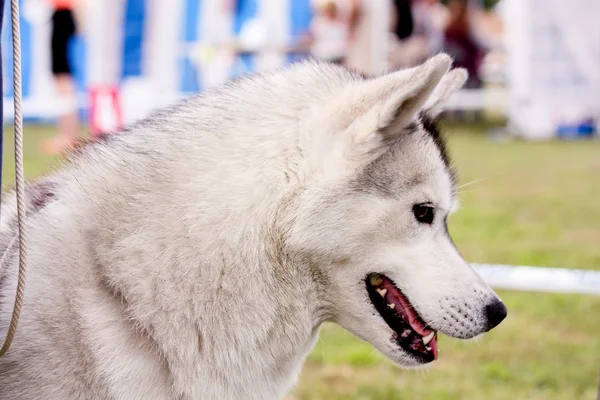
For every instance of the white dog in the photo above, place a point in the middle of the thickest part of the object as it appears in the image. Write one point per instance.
(196, 254)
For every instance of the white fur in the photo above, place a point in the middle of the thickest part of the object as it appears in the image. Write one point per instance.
(197, 254)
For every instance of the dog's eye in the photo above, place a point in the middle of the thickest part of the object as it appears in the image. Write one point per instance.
(423, 213)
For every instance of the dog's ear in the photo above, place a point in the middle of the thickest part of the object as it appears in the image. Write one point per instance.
(449, 84)
(409, 90)
(381, 108)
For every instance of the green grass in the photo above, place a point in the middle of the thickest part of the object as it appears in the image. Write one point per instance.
(533, 204)
(36, 163)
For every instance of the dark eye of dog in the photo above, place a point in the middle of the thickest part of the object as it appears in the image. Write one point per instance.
(423, 213)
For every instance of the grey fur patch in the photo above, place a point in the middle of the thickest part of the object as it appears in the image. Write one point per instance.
(431, 126)
(382, 176)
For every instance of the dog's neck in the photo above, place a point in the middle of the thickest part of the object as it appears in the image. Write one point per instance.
(241, 316)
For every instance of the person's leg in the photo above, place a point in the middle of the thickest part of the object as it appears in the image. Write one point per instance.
(68, 122)
(63, 29)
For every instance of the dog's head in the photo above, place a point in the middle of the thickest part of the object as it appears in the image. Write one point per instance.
(375, 221)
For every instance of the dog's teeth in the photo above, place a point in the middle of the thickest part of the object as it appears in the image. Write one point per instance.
(375, 280)
(427, 339)
(382, 292)
(392, 305)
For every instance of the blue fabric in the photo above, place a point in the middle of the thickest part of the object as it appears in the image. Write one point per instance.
(300, 17)
(189, 82)
(26, 56)
(77, 59)
(77, 56)
(26, 53)
(134, 29)
(246, 9)
(133, 35)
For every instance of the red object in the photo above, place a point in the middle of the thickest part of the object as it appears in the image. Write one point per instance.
(105, 110)
(62, 4)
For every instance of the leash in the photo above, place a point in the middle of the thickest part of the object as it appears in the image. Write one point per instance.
(19, 177)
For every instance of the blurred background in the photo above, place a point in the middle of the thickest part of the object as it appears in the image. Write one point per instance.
(523, 134)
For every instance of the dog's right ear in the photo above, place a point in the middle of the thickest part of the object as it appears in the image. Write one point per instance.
(408, 92)
(374, 112)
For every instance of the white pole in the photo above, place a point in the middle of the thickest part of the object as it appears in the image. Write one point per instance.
(103, 33)
(275, 17)
(540, 279)
(43, 93)
(161, 48)
(215, 28)
(380, 15)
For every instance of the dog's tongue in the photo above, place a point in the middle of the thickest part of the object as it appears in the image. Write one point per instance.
(404, 307)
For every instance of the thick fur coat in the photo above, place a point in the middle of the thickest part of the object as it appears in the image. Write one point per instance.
(196, 254)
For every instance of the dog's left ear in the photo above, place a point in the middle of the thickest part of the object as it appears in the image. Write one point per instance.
(449, 84)
(380, 109)
(370, 115)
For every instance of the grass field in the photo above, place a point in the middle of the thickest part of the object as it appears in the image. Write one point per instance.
(534, 204)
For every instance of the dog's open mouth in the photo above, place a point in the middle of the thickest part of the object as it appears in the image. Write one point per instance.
(412, 334)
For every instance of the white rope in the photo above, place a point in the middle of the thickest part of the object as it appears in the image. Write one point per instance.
(20, 180)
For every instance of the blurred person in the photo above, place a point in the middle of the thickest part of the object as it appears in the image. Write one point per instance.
(329, 33)
(362, 48)
(332, 30)
(418, 31)
(63, 30)
(462, 42)
(354, 15)
(403, 13)
(429, 20)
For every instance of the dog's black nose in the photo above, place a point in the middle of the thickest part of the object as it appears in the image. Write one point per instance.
(495, 313)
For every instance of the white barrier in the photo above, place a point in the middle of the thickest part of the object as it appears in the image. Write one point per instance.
(479, 99)
(539, 279)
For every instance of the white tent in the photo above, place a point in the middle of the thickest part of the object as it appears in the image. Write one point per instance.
(553, 64)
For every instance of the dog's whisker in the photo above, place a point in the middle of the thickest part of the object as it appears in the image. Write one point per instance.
(467, 191)
(473, 182)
